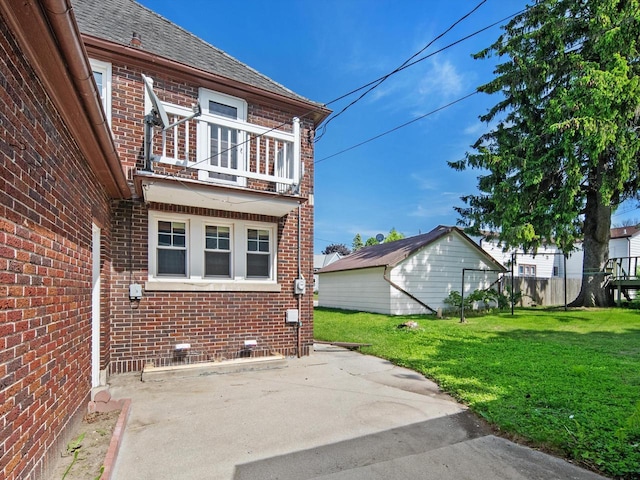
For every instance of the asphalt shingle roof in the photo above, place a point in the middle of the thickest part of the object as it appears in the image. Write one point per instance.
(117, 20)
(389, 254)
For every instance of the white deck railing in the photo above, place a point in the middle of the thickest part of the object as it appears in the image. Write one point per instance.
(230, 151)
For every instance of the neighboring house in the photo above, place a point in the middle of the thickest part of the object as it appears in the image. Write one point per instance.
(109, 257)
(409, 276)
(320, 261)
(546, 263)
(624, 242)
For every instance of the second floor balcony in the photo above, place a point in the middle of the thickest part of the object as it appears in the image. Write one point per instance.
(223, 163)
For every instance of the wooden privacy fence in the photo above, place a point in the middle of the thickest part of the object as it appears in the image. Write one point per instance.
(545, 291)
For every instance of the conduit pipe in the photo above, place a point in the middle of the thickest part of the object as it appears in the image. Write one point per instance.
(299, 325)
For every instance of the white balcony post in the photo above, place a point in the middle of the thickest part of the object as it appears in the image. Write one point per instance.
(296, 150)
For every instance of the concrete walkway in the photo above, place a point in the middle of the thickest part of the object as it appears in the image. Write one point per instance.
(334, 415)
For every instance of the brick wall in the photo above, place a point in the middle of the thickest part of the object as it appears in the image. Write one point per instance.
(48, 201)
(214, 323)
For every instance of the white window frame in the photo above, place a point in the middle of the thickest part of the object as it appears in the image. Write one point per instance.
(172, 247)
(231, 249)
(259, 252)
(527, 270)
(208, 117)
(105, 69)
(196, 242)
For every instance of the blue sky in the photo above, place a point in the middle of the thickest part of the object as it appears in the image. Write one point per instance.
(323, 50)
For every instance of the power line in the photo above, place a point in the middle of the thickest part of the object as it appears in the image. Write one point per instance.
(398, 127)
(421, 59)
(381, 80)
(373, 83)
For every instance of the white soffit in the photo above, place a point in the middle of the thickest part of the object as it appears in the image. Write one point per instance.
(204, 196)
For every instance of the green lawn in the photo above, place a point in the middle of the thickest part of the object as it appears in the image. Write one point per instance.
(568, 382)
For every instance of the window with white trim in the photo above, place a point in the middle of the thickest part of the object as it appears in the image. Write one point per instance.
(258, 253)
(102, 76)
(527, 270)
(225, 144)
(172, 249)
(207, 250)
(217, 251)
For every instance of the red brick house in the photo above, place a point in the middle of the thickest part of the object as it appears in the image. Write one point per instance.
(116, 252)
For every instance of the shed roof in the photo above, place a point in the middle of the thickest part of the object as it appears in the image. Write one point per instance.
(624, 232)
(392, 253)
(117, 20)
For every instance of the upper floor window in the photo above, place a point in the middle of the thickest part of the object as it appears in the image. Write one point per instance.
(225, 146)
(527, 270)
(190, 248)
(102, 76)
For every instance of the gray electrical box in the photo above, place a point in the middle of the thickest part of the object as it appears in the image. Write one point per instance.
(299, 286)
(135, 291)
(293, 315)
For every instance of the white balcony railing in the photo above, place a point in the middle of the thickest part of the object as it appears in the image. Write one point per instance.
(229, 151)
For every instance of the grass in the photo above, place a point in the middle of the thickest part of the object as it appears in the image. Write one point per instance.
(567, 382)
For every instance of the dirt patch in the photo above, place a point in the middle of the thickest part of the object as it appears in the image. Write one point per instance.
(84, 456)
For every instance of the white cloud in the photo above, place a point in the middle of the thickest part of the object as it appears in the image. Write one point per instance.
(438, 206)
(442, 80)
(476, 129)
(424, 182)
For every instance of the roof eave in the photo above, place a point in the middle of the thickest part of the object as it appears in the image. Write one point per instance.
(48, 34)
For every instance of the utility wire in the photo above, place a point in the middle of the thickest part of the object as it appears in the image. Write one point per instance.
(398, 127)
(407, 65)
(374, 82)
(382, 79)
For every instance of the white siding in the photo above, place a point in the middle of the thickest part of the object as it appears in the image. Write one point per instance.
(363, 290)
(436, 270)
(574, 263)
(618, 247)
(544, 259)
(402, 304)
(634, 247)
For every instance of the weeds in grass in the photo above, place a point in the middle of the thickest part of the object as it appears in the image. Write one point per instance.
(73, 447)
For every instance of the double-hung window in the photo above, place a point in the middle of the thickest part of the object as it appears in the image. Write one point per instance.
(172, 249)
(258, 253)
(191, 252)
(217, 251)
(527, 270)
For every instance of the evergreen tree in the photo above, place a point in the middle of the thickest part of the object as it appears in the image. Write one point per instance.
(393, 236)
(565, 149)
(357, 243)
